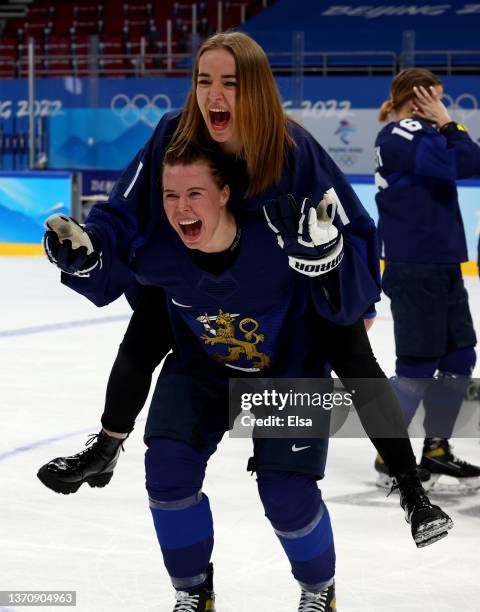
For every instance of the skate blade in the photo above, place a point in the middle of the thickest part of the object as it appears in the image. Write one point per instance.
(442, 483)
(433, 531)
(384, 482)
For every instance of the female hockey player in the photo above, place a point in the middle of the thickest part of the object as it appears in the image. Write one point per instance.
(420, 156)
(205, 284)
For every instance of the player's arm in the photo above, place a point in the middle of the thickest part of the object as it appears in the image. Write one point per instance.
(340, 280)
(306, 232)
(312, 172)
(467, 152)
(113, 229)
(416, 148)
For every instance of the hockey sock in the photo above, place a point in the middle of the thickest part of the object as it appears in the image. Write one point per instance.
(444, 398)
(181, 512)
(294, 506)
(413, 378)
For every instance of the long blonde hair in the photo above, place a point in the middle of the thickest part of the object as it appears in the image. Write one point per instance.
(261, 120)
(401, 90)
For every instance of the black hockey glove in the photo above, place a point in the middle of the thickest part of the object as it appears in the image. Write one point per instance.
(69, 246)
(307, 235)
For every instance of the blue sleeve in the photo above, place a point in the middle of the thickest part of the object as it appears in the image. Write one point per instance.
(357, 280)
(132, 208)
(106, 282)
(426, 152)
(467, 152)
(314, 172)
(124, 222)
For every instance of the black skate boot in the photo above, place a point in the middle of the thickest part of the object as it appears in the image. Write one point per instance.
(472, 393)
(94, 465)
(200, 599)
(428, 523)
(385, 481)
(324, 601)
(448, 473)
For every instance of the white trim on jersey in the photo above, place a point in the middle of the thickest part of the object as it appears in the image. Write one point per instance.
(130, 187)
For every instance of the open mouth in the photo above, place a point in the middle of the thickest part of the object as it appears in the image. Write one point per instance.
(219, 118)
(191, 229)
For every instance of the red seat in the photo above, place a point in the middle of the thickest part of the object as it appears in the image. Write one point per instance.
(58, 67)
(80, 44)
(8, 45)
(58, 45)
(111, 44)
(137, 11)
(7, 66)
(136, 27)
(84, 27)
(87, 12)
(40, 13)
(111, 66)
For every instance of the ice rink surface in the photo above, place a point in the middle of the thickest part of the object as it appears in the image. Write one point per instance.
(56, 351)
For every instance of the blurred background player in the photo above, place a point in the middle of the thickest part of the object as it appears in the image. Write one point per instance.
(420, 155)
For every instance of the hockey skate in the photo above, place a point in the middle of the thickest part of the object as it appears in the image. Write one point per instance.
(447, 473)
(472, 394)
(428, 522)
(200, 599)
(93, 465)
(324, 601)
(385, 481)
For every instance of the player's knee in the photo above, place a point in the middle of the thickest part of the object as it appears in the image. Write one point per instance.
(291, 500)
(173, 469)
(460, 362)
(132, 357)
(416, 367)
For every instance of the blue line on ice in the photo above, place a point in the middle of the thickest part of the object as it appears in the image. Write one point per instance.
(49, 327)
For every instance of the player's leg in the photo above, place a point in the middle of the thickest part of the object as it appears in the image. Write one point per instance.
(444, 398)
(350, 355)
(382, 419)
(419, 303)
(186, 420)
(182, 518)
(147, 339)
(293, 504)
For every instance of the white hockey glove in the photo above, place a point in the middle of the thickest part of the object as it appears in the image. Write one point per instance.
(69, 246)
(312, 242)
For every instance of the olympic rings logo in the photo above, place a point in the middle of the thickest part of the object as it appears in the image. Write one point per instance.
(464, 106)
(140, 108)
(346, 159)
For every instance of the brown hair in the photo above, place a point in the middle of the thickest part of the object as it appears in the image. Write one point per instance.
(261, 121)
(401, 90)
(191, 154)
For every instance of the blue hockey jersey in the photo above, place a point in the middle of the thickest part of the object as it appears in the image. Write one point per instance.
(252, 318)
(134, 215)
(417, 169)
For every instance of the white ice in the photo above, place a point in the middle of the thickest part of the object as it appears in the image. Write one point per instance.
(101, 542)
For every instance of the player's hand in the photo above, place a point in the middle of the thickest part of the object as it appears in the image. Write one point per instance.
(428, 105)
(308, 236)
(69, 246)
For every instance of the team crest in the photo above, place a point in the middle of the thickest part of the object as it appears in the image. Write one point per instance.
(220, 329)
